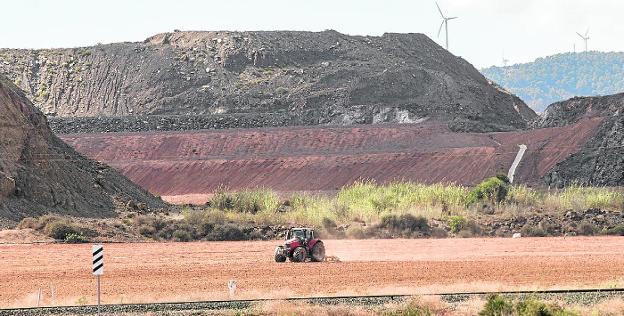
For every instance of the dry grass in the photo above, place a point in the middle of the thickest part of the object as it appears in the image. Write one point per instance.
(614, 307)
(286, 308)
(430, 305)
(360, 202)
(369, 202)
(573, 197)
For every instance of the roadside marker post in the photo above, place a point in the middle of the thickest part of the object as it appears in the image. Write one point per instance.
(98, 266)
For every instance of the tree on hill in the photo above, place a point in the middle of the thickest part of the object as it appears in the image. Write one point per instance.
(560, 77)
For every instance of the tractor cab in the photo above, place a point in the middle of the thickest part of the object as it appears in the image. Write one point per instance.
(300, 233)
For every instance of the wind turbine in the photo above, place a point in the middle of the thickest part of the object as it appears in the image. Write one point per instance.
(584, 37)
(445, 24)
(505, 60)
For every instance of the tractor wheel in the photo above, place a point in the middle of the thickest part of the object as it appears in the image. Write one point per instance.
(279, 254)
(299, 255)
(318, 252)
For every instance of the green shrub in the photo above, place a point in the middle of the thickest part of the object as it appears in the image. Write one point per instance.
(586, 229)
(438, 233)
(328, 223)
(412, 309)
(493, 190)
(414, 223)
(29, 222)
(147, 230)
(472, 227)
(168, 232)
(465, 234)
(532, 231)
(60, 229)
(38, 223)
(201, 223)
(617, 230)
(496, 305)
(195, 225)
(456, 223)
(156, 223)
(205, 228)
(222, 200)
(404, 223)
(182, 235)
(532, 307)
(73, 238)
(225, 232)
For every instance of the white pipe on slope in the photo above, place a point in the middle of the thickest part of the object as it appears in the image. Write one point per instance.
(516, 162)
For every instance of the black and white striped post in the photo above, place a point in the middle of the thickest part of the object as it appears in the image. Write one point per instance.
(98, 266)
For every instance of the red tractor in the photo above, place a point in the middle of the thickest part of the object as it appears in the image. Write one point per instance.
(300, 245)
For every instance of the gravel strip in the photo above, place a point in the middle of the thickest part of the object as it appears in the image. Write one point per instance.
(577, 297)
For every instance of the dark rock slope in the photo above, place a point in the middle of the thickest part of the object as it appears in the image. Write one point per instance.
(40, 174)
(288, 78)
(601, 161)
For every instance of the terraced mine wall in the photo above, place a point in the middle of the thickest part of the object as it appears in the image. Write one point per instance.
(327, 158)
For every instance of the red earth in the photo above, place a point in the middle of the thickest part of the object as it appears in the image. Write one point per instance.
(151, 272)
(194, 164)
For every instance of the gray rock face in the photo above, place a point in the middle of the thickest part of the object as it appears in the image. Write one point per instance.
(7, 186)
(572, 110)
(41, 174)
(601, 161)
(319, 78)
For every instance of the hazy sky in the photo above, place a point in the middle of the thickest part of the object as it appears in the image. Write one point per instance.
(522, 29)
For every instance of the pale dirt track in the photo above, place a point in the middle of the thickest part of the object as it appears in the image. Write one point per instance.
(200, 271)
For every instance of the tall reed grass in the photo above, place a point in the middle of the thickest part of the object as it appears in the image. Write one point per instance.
(369, 202)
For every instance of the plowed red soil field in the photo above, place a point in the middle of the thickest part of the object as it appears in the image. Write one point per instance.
(150, 272)
(191, 164)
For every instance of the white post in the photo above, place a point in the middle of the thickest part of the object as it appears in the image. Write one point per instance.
(232, 288)
(39, 298)
(98, 268)
(53, 299)
(98, 291)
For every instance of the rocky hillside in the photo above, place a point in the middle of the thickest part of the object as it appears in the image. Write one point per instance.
(40, 174)
(601, 161)
(287, 78)
(562, 76)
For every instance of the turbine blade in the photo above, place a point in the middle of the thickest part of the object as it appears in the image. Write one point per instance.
(579, 34)
(452, 18)
(440, 10)
(587, 32)
(441, 25)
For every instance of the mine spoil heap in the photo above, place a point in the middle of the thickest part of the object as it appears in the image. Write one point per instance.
(40, 174)
(601, 160)
(255, 79)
